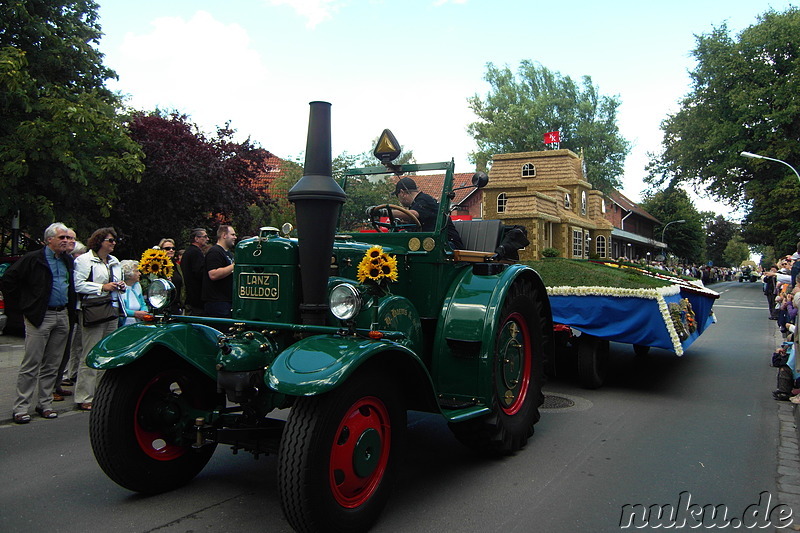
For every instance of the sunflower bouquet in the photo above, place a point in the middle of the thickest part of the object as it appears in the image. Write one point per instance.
(155, 264)
(377, 268)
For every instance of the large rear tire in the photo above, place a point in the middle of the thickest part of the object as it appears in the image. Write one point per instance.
(138, 414)
(517, 379)
(340, 454)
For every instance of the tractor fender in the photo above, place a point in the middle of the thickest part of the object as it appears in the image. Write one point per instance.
(317, 364)
(195, 343)
(475, 299)
(468, 324)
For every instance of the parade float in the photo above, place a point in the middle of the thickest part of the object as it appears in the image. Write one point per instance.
(597, 302)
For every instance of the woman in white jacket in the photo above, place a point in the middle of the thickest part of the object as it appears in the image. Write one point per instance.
(97, 273)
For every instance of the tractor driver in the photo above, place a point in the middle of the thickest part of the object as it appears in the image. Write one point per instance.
(425, 208)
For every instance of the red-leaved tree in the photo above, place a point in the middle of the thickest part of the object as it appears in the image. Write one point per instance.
(190, 180)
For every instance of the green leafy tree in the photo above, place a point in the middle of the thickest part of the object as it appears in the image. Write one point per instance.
(519, 110)
(736, 251)
(719, 232)
(64, 150)
(743, 98)
(686, 239)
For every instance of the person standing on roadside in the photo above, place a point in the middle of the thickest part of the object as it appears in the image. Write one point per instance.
(40, 286)
(70, 374)
(60, 391)
(193, 268)
(168, 245)
(97, 273)
(218, 283)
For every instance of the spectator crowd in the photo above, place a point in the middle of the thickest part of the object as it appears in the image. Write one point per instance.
(73, 295)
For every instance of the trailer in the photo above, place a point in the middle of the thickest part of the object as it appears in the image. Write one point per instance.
(586, 319)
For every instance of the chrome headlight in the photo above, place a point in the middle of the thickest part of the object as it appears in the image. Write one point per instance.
(160, 294)
(344, 301)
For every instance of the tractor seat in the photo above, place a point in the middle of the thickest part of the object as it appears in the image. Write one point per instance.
(479, 236)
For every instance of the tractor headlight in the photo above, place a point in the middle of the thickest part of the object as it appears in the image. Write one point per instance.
(344, 301)
(160, 294)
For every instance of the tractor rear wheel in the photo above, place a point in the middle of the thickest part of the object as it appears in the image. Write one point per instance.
(339, 455)
(517, 379)
(138, 422)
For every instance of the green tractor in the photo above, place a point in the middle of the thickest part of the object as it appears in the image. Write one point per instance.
(343, 330)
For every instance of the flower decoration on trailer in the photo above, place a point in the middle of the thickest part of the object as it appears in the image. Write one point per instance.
(377, 268)
(155, 263)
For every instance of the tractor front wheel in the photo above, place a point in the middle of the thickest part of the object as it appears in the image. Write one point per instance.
(340, 453)
(138, 424)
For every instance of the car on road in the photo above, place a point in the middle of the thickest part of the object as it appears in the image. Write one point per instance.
(10, 319)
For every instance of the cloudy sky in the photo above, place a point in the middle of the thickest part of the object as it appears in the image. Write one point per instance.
(406, 65)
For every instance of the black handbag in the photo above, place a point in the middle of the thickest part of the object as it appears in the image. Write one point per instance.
(98, 310)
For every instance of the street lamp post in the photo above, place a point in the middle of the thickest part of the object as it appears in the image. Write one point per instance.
(665, 229)
(757, 156)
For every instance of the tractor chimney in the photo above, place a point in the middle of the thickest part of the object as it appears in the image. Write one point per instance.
(317, 199)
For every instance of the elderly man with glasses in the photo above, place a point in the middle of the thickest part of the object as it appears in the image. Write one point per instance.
(40, 286)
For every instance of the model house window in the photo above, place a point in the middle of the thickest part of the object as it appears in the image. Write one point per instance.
(583, 203)
(567, 201)
(602, 205)
(502, 200)
(600, 246)
(528, 170)
(577, 243)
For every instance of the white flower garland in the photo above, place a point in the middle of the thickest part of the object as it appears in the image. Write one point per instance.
(651, 294)
(657, 294)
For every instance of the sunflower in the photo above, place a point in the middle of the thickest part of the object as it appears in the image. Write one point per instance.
(376, 266)
(156, 263)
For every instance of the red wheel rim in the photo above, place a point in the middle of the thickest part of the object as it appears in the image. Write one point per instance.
(360, 452)
(514, 364)
(154, 443)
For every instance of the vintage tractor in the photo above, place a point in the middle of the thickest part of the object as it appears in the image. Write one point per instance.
(461, 333)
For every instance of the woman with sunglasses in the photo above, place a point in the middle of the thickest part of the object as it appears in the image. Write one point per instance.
(97, 274)
(168, 245)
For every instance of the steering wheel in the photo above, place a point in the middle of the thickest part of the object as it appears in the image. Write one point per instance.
(394, 224)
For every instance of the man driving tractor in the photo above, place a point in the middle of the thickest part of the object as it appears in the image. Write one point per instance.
(425, 208)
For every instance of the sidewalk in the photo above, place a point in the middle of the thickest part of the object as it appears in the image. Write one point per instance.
(11, 351)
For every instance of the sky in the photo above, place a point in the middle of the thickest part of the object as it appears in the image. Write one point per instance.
(406, 65)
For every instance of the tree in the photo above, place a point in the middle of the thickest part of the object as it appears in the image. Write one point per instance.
(736, 251)
(718, 233)
(189, 181)
(64, 150)
(743, 98)
(686, 239)
(517, 112)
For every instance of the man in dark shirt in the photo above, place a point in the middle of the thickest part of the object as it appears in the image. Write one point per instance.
(218, 282)
(40, 286)
(193, 267)
(425, 208)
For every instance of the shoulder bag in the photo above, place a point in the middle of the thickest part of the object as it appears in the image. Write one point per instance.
(98, 310)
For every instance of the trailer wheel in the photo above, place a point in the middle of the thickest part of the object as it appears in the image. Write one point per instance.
(593, 356)
(641, 350)
(140, 413)
(340, 453)
(517, 379)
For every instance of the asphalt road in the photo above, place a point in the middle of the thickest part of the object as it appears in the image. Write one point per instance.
(704, 424)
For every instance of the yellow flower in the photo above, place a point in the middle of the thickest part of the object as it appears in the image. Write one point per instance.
(156, 262)
(376, 265)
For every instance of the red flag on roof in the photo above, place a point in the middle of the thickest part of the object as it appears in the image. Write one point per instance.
(552, 137)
